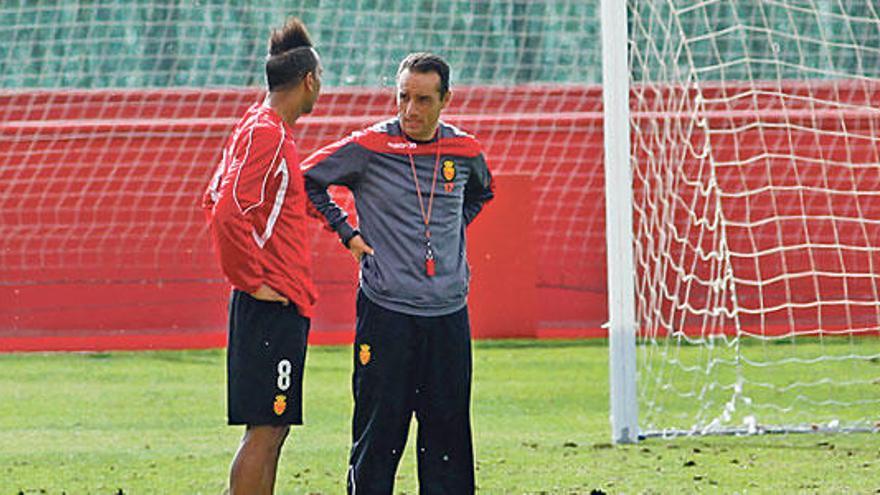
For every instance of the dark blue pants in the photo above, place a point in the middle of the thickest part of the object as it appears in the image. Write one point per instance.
(405, 365)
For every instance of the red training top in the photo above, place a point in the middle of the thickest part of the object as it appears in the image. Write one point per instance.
(256, 207)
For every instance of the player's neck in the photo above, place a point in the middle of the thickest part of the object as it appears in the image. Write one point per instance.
(288, 113)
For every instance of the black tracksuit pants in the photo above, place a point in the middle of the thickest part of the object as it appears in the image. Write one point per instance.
(407, 364)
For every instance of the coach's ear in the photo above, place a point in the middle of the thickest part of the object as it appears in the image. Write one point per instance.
(446, 99)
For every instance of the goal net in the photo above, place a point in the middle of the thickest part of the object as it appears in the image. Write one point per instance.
(113, 114)
(756, 167)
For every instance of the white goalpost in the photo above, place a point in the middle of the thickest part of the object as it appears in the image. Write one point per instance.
(618, 219)
(743, 171)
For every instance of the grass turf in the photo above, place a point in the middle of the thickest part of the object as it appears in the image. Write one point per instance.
(153, 422)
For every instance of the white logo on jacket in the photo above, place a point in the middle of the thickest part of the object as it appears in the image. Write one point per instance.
(403, 146)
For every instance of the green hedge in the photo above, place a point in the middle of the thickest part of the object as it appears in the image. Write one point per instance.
(117, 43)
(135, 43)
(755, 39)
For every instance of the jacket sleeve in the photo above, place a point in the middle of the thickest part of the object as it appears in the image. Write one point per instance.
(341, 164)
(240, 219)
(479, 190)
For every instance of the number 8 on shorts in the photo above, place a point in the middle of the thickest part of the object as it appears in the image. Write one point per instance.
(284, 369)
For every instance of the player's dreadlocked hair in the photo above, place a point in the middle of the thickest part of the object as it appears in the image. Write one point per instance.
(291, 55)
(292, 35)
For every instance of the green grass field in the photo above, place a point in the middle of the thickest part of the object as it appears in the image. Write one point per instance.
(154, 423)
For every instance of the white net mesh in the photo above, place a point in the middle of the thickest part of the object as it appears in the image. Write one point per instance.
(113, 114)
(757, 213)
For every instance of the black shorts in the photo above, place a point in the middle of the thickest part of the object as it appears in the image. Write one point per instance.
(265, 361)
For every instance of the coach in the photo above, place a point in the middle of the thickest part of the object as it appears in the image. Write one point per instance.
(417, 183)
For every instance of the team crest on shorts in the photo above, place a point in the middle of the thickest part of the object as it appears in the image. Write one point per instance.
(280, 405)
(364, 354)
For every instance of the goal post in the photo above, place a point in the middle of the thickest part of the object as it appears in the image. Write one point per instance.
(755, 162)
(618, 224)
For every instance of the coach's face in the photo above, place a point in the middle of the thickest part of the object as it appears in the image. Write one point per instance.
(419, 103)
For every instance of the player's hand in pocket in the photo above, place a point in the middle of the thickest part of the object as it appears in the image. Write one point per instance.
(268, 294)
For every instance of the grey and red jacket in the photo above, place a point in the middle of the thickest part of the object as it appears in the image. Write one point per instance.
(375, 165)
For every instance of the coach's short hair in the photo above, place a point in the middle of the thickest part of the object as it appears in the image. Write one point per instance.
(423, 63)
(291, 55)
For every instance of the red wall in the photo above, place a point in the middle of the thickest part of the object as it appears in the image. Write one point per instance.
(105, 245)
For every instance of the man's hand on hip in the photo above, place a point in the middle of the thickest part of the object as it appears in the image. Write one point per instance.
(358, 247)
(266, 293)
